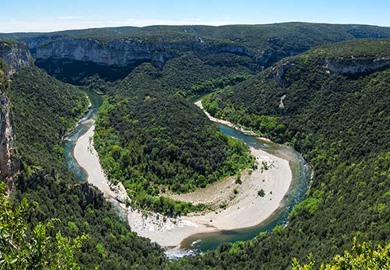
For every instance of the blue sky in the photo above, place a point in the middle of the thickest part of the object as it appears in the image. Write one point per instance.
(52, 15)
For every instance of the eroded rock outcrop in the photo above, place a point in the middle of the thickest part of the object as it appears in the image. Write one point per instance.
(277, 73)
(114, 53)
(127, 51)
(7, 140)
(15, 55)
(356, 66)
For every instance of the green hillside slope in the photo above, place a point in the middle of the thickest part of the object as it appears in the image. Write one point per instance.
(152, 139)
(335, 112)
(44, 109)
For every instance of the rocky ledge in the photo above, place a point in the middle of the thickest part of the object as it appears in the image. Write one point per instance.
(356, 66)
(15, 55)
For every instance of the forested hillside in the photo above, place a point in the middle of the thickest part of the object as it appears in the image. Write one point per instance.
(44, 109)
(153, 140)
(113, 53)
(277, 38)
(330, 104)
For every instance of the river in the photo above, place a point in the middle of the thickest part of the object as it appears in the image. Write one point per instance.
(300, 181)
(83, 125)
(203, 242)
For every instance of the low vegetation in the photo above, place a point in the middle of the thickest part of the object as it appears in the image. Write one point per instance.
(39, 250)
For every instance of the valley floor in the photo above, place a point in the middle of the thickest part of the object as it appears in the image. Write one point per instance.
(243, 209)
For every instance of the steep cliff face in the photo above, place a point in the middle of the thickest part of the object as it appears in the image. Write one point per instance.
(34, 41)
(124, 52)
(357, 66)
(76, 54)
(8, 164)
(118, 53)
(15, 55)
(74, 59)
(278, 72)
(7, 140)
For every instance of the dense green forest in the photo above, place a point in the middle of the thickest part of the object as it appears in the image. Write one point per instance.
(38, 250)
(43, 110)
(153, 140)
(362, 256)
(181, 74)
(341, 125)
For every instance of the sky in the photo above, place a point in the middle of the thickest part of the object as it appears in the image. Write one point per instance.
(54, 15)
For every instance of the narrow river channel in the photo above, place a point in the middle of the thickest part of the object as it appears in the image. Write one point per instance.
(83, 125)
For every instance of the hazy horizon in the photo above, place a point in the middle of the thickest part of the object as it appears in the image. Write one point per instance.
(119, 26)
(51, 16)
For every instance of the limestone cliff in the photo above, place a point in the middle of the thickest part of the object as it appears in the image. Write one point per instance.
(8, 165)
(278, 71)
(124, 52)
(15, 55)
(356, 66)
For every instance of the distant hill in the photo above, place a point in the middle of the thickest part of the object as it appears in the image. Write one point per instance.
(114, 52)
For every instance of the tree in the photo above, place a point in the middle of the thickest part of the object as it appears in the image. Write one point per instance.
(24, 247)
(261, 192)
(363, 256)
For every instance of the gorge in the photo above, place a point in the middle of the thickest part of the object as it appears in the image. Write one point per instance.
(81, 157)
(320, 89)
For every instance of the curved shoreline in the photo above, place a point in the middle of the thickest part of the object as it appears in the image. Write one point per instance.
(247, 209)
(87, 157)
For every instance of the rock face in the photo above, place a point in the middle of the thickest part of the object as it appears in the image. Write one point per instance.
(277, 73)
(114, 53)
(15, 55)
(356, 66)
(34, 42)
(127, 51)
(72, 59)
(7, 141)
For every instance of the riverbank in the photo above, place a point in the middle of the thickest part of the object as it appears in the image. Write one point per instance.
(229, 124)
(244, 209)
(87, 157)
(242, 205)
